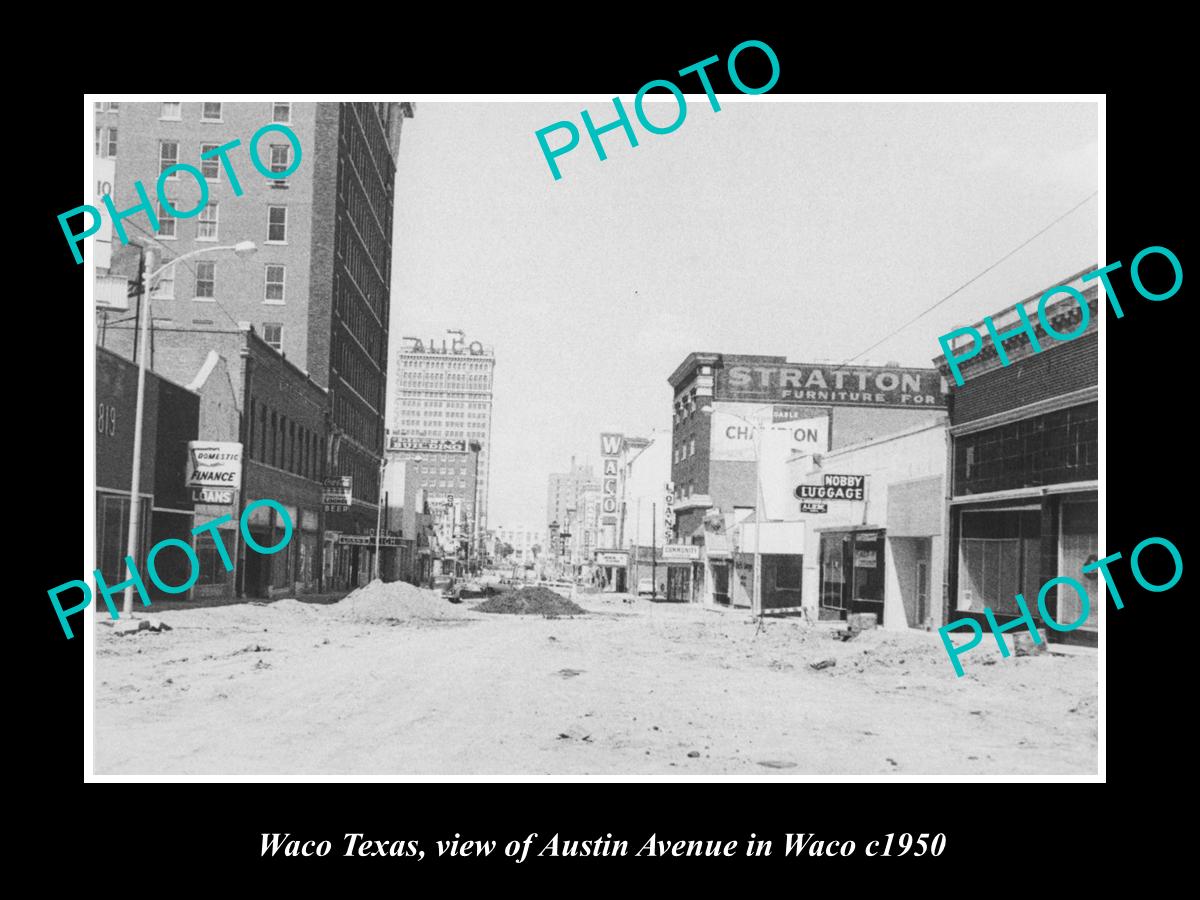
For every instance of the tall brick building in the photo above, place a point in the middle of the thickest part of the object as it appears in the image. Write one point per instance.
(318, 288)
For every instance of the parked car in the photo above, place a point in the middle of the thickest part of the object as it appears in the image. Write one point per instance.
(449, 586)
(645, 586)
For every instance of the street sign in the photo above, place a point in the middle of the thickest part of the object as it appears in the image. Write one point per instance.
(338, 493)
(398, 442)
(368, 540)
(813, 506)
(681, 551)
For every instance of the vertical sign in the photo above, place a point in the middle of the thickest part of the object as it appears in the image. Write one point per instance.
(610, 449)
(669, 512)
(105, 170)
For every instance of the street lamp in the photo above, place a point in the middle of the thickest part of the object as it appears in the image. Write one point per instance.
(759, 503)
(149, 257)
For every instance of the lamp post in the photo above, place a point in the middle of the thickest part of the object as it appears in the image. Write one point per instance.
(149, 258)
(379, 514)
(759, 512)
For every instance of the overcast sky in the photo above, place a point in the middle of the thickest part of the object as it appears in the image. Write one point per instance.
(805, 230)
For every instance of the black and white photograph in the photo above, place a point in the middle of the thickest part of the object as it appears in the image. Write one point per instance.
(692, 434)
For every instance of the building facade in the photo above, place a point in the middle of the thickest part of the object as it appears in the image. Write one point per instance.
(444, 391)
(318, 205)
(1024, 467)
(737, 419)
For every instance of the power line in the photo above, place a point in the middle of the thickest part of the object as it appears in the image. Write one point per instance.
(969, 281)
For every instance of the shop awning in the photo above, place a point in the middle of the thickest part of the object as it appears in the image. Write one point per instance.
(782, 538)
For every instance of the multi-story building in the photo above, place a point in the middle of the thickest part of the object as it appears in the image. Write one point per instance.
(565, 490)
(315, 193)
(524, 539)
(444, 391)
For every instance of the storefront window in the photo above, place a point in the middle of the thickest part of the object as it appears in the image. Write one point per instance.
(1078, 543)
(999, 557)
(112, 527)
(1055, 448)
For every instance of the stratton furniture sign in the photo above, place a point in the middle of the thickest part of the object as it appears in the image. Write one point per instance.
(854, 386)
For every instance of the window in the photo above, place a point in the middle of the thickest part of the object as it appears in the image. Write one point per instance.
(107, 107)
(166, 222)
(281, 157)
(106, 143)
(274, 292)
(281, 112)
(171, 111)
(206, 279)
(207, 230)
(168, 155)
(211, 167)
(164, 288)
(277, 224)
(211, 112)
(273, 334)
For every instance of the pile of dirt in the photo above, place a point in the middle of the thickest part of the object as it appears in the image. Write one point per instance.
(380, 603)
(531, 601)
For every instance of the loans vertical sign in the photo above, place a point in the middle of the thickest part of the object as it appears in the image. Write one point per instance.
(610, 449)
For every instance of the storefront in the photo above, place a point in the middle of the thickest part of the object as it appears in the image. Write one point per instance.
(612, 567)
(1025, 455)
(853, 572)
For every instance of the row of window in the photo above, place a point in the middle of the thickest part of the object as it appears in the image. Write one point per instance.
(685, 449)
(172, 111)
(431, 365)
(276, 441)
(363, 425)
(365, 217)
(279, 160)
(357, 266)
(208, 223)
(353, 369)
(274, 283)
(367, 330)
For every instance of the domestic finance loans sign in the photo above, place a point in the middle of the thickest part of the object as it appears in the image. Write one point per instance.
(214, 470)
(854, 386)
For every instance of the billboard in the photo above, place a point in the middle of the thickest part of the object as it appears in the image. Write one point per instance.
(887, 386)
(214, 470)
(735, 439)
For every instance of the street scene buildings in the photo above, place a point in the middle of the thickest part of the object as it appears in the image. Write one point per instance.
(703, 486)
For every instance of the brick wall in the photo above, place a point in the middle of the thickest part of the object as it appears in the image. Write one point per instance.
(1059, 369)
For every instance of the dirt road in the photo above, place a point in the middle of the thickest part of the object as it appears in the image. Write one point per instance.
(631, 688)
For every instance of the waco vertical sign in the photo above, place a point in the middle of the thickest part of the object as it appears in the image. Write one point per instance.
(610, 449)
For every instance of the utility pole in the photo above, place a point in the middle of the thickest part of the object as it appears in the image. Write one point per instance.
(149, 256)
(653, 551)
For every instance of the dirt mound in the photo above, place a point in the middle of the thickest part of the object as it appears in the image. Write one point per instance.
(381, 603)
(531, 601)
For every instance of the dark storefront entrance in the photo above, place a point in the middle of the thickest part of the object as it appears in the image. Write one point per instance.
(852, 573)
